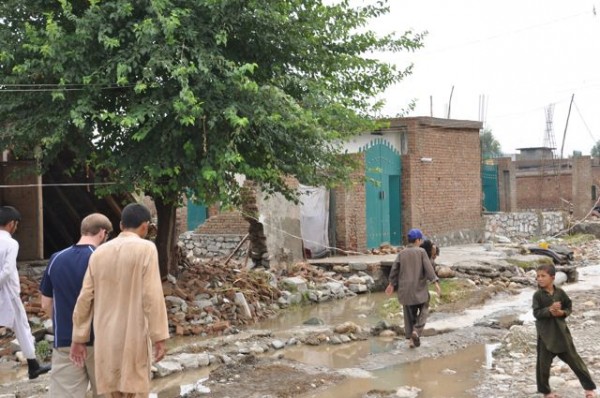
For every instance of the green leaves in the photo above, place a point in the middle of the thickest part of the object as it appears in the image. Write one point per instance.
(169, 95)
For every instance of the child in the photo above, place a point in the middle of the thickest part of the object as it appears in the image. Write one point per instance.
(551, 306)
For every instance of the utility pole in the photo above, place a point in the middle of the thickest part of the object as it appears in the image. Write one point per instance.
(562, 147)
(450, 102)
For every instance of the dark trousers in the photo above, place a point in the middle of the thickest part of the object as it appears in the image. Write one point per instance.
(415, 317)
(570, 357)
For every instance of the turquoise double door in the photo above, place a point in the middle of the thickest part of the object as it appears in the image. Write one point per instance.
(383, 194)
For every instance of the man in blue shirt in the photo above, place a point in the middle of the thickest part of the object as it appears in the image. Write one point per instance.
(60, 288)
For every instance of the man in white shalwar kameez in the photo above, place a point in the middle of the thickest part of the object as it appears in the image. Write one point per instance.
(122, 293)
(12, 312)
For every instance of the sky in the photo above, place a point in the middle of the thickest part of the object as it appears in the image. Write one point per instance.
(524, 57)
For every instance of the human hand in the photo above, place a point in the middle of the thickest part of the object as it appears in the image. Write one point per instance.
(78, 354)
(160, 350)
(389, 289)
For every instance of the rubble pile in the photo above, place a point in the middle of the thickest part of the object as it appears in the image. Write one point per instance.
(214, 296)
(211, 297)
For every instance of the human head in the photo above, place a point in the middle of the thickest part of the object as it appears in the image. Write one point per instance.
(431, 249)
(95, 223)
(547, 268)
(136, 216)
(9, 218)
(545, 275)
(414, 235)
(428, 246)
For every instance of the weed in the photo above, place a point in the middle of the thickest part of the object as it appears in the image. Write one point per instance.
(43, 349)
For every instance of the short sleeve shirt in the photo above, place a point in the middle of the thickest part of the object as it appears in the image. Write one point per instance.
(62, 281)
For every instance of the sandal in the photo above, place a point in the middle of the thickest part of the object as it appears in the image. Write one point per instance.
(551, 395)
(590, 394)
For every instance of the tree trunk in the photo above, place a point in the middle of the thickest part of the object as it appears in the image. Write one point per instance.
(166, 239)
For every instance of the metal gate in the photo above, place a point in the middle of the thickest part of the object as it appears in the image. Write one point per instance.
(383, 171)
(196, 215)
(489, 183)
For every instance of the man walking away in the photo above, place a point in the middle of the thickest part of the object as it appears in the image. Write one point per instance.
(409, 275)
(123, 292)
(60, 288)
(12, 312)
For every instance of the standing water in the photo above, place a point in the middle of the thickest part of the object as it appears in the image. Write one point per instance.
(448, 376)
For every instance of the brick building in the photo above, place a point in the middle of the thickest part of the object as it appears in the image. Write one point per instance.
(428, 173)
(537, 181)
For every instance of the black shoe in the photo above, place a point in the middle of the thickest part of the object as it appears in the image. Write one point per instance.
(35, 369)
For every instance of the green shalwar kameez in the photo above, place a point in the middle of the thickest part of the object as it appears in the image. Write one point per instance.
(554, 339)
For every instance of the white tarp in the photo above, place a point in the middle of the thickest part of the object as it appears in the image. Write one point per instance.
(314, 219)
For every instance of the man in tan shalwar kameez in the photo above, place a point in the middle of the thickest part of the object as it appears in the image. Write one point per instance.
(122, 292)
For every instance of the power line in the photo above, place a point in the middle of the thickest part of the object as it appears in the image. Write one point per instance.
(584, 123)
(65, 184)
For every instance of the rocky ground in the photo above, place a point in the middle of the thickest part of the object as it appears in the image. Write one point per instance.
(203, 301)
(513, 372)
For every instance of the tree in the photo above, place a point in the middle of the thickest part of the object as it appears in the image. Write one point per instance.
(596, 150)
(490, 147)
(170, 96)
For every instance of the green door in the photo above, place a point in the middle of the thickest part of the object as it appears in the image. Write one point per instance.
(383, 170)
(196, 215)
(489, 183)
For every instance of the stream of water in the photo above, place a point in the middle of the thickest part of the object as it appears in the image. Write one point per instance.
(442, 377)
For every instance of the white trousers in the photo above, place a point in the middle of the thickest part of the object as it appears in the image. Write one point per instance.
(22, 330)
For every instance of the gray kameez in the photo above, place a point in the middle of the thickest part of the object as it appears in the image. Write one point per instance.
(409, 275)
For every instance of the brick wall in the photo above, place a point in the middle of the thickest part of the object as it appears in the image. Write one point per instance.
(28, 201)
(231, 222)
(582, 186)
(535, 191)
(350, 211)
(507, 184)
(441, 196)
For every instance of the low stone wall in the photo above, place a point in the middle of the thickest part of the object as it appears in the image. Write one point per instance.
(524, 224)
(209, 246)
(457, 237)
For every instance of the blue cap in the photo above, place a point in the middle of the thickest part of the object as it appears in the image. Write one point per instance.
(415, 234)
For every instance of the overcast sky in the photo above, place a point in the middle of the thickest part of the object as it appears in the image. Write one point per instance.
(522, 55)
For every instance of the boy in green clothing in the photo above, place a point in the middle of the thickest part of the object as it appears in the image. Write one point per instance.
(551, 306)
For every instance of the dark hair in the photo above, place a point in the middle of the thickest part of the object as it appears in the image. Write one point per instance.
(8, 214)
(548, 268)
(428, 246)
(134, 215)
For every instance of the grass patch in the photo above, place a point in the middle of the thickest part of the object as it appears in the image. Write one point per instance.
(578, 239)
(453, 290)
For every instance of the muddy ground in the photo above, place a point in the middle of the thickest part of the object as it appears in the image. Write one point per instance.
(273, 375)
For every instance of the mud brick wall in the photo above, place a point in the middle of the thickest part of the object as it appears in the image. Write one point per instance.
(227, 223)
(350, 211)
(442, 193)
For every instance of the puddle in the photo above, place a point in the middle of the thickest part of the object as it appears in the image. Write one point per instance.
(444, 377)
(447, 377)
